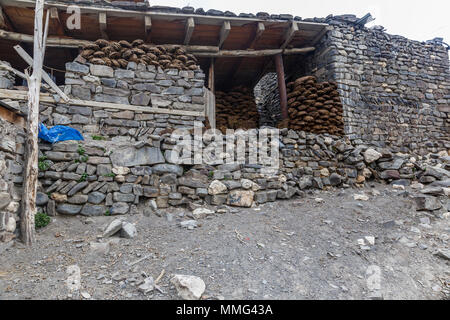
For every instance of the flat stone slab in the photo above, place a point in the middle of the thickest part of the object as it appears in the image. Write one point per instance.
(132, 157)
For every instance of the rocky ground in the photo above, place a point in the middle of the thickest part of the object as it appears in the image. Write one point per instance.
(326, 245)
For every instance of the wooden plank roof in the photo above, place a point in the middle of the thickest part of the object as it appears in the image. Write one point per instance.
(165, 28)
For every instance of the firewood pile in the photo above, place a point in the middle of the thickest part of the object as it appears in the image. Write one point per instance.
(236, 109)
(118, 53)
(314, 107)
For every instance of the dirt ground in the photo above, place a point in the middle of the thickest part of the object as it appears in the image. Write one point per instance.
(305, 248)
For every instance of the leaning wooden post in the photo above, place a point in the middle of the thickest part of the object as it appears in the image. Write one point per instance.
(32, 149)
(281, 86)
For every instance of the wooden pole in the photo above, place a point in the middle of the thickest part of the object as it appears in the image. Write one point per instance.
(281, 85)
(211, 77)
(199, 51)
(31, 169)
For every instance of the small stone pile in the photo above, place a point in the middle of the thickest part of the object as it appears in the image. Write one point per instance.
(236, 109)
(118, 53)
(314, 107)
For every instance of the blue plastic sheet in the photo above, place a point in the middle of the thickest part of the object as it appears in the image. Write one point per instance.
(58, 133)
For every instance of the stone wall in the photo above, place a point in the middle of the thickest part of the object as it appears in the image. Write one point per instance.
(139, 85)
(108, 178)
(7, 79)
(395, 91)
(11, 166)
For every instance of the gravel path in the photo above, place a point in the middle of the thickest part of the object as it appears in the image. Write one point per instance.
(305, 248)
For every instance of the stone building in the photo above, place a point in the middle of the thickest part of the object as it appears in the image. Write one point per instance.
(135, 73)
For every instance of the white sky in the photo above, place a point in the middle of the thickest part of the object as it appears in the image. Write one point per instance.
(414, 19)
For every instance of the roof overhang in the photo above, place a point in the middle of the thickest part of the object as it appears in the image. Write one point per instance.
(226, 33)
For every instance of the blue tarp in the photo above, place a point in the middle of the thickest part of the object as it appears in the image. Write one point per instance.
(58, 133)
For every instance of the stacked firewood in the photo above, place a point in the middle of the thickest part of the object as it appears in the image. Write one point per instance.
(236, 109)
(118, 53)
(314, 107)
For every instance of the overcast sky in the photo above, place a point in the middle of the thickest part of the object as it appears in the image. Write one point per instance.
(414, 19)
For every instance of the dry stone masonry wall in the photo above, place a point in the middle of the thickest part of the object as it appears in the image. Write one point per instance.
(395, 91)
(6, 78)
(395, 102)
(140, 85)
(11, 167)
(105, 178)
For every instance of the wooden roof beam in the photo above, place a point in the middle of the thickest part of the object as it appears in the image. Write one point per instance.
(148, 28)
(260, 28)
(2, 19)
(5, 23)
(54, 15)
(252, 53)
(224, 32)
(289, 35)
(103, 25)
(189, 29)
(60, 42)
(319, 36)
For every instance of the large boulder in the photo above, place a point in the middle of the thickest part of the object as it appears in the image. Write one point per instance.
(240, 198)
(132, 157)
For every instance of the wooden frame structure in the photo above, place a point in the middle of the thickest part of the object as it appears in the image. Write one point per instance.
(235, 50)
(242, 46)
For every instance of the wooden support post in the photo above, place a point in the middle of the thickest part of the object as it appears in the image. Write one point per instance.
(224, 32)
(103, 25)
(211, 77)
(2, 19)
(5, 22)
(27, 226)
(148, 28)
(190, 25)
(281, 85)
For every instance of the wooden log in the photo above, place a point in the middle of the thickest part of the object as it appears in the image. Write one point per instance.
(103, 25)
(224, 32)
(290, 34)
(148, 28)
(11, 116)
(51, 41)
(252, 53)
(189, 29)
(46, 98)
(281, 86)
(2, 19)
(27, 226)
(211, 77)
(200, 51)
(75, 43)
